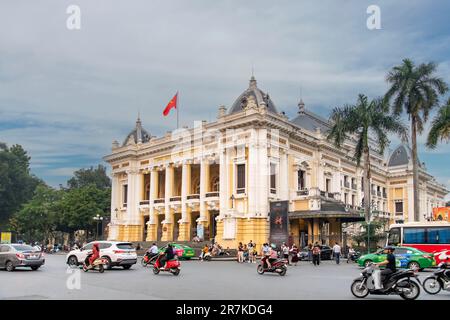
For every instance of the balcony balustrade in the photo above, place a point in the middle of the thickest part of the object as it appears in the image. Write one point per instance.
(303, 192)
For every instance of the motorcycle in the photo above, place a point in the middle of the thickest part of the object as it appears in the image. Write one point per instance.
(148, 259)
(399, 283)
(98, 263)
(172, 266)
(207, 256)
(440, 280)
(278, 266)
(353, 256)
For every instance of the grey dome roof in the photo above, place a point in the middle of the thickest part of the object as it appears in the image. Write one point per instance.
(253, 92)
(137, 135)
(400, 156)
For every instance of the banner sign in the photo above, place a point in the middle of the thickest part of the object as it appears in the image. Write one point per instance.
(279, 223)
(5, 237)
(200, 232)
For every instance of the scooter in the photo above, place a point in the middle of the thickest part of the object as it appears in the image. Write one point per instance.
(440, 280)
(353, 256)
(278, 266)
(98, 264)
(172, 266)
(399, 283)
(148, 259)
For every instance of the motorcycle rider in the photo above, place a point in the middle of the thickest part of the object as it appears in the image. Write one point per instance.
(351, 253)
(389, 263)
(273, 255)
(265, 254)
(166, 256)
(94, 255)
(152, 251)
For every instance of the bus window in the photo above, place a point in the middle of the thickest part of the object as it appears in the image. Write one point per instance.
(394, 237)
(439, 235)
(414, 235)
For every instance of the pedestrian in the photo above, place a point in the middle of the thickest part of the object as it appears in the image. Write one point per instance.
(337, 252)
(316, 254)
(285, 252)
(246, 254)
(310, 247)
(240, 253)
(251, 251)
(294, 254)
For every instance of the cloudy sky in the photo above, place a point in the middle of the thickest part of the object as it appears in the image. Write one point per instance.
(66, 94)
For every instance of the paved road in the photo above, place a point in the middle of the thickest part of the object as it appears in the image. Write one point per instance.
(198, 280)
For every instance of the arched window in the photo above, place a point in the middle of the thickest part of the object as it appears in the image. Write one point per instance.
(215, 184)
(196, 186)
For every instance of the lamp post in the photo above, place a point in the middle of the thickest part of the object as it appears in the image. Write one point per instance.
(116, 211)
(97, 219)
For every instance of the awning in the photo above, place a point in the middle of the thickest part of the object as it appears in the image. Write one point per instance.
(344, 216)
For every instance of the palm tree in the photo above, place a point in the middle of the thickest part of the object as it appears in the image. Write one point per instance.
(440, 127)
(416, 91)
(364, 120)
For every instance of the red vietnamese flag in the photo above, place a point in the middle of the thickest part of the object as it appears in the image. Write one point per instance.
(172, 104)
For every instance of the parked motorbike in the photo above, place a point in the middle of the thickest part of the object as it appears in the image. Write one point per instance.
(98, 264)
(440, 280)
(207, 256)
(172, 266)
(399, 283)
(278, 266)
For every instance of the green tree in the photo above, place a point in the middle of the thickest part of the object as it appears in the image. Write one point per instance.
(37, 220)
(16, 183)
(79, 206)
(373, 234)
(363, 120)
(84, 177)
(440, 126)
(414, 90)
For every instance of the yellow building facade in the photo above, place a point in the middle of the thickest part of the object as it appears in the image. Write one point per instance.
(218, 180)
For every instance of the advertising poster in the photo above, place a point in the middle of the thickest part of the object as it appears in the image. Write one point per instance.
(279, 232)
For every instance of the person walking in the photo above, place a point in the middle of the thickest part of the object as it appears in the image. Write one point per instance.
(316, 254)
(294, 254)
(240, 253)
(337, 252)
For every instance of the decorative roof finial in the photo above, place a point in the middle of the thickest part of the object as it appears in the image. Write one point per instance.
(252, 79)
(301, 104)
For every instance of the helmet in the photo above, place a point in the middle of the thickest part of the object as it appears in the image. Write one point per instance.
(273, 245)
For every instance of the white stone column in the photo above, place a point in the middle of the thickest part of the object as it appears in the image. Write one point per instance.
(168, 192)
(284, 176)
(185, 184)
(152, 195)
(224, 196)
(115, 189)
(204, 181)
(252, 163)
(263, 165)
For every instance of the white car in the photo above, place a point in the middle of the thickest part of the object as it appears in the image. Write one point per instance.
(116, 253)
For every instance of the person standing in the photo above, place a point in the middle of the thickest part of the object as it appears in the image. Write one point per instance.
(294, 254)
(310, 247)
(240, 253)
(316, 254)
(285, 252)
(251, 251)
(337, 252)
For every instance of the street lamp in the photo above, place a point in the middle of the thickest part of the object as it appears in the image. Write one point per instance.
(232, 201)
(97, 219)
(116, 211)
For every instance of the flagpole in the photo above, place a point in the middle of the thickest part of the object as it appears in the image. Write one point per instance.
(178, 106)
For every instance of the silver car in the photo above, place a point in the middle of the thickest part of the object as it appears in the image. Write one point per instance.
(20, 255)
